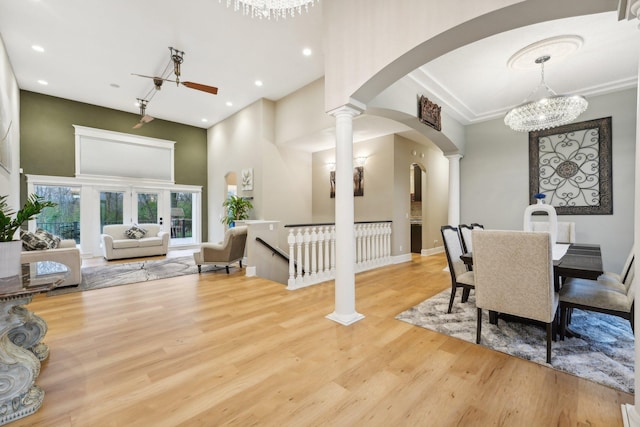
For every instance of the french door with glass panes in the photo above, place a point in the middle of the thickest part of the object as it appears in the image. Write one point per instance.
(130, 206)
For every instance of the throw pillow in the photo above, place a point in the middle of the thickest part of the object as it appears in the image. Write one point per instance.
(38, 241)
(135, 232)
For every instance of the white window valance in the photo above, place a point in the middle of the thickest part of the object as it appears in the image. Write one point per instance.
(101, 152)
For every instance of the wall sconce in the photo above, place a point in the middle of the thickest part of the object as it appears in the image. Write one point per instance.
(359, 161)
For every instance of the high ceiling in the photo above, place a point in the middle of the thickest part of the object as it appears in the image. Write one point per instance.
(91, 48)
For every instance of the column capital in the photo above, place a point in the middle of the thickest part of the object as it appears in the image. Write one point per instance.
(353, 108)
(454, 156)
(628, 9)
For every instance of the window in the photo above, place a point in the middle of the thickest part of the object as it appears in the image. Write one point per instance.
(64, 219)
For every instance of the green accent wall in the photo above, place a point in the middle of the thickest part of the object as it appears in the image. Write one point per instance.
(47, 139)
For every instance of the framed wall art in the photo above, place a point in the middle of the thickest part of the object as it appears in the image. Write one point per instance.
(247, 179)
(358, 182)
(429, 113)
(571, 166)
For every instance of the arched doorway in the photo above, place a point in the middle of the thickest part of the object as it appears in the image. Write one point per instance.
(416, 179)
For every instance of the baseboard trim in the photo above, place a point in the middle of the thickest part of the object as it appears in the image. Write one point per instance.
(432, 251)
(399, 259)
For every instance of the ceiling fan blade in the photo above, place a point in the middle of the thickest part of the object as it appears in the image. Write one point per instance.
(204, 88)
(145, 119)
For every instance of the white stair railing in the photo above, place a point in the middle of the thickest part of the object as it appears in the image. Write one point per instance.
(312, 250)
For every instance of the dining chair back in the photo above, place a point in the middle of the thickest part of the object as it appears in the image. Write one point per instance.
(566, 230)
(460, 276)
(514, 275)
(465, 235)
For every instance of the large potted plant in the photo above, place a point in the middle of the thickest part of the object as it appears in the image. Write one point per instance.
(237, 210)
(10, 221)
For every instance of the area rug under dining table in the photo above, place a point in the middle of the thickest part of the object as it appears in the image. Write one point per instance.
(604, 353)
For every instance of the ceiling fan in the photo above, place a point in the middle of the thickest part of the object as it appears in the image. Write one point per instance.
(176, 58)
(144, 118)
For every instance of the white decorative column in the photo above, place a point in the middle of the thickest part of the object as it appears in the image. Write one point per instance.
(345, 289)
(454, 189)
(630, 413)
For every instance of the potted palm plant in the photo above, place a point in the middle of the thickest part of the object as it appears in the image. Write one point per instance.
(237, 210)
(10, 221)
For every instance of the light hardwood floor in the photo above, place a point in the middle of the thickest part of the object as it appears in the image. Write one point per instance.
(218, 349)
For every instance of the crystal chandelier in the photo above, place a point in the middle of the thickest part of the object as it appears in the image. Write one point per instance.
(271, 8)
(546, 110)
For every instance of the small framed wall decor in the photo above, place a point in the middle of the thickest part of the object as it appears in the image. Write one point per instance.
(571, 166)
(429, 113)
(247, 179)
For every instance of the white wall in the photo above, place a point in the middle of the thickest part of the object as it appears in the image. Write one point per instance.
(494, 175)
(387, 189)
(282, 176)
(10, 113)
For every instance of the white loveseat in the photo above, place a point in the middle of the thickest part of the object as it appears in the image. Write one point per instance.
(116, 244)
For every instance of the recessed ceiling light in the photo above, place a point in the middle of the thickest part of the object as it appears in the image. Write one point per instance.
(37, 48)
(229, 104)
(137, 104)
(116, 85)
(306, 51)
(204, 120)
(43, 82)
(258, 82)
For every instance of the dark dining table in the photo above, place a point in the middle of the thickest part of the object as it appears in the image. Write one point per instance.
(581, 260)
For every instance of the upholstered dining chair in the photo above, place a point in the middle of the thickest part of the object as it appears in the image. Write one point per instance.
(465, 235)
(460, 276)
(622, 281)
(514, 275)
(230, 250)
(566, 230)
(590, 295)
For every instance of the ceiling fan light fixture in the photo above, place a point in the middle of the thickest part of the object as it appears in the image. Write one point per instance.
(546, 110)
(268, 9)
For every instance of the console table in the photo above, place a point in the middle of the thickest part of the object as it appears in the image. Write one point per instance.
(21, 333)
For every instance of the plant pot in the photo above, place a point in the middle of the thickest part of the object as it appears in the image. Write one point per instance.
(10, 253)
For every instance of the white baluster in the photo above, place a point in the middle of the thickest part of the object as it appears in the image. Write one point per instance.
(387, 243)
(299, 239)
(327, 254)
(291, 239)
(333, 250)
(314, 254)
(307, 267)
(378, 250)
(358, 234)
(320, 253)
(374, 244)
(369, 234)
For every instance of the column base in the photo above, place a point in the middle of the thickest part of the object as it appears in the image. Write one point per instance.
(345, 319)
(630, 417)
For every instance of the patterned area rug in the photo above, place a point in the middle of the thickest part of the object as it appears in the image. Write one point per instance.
(134, 272)
(604, 354)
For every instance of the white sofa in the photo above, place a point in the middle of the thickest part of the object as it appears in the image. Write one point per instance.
(116, 244)
(66, 253)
